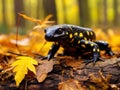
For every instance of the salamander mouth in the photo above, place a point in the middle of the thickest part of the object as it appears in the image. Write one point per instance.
(51, 39)
(55, 39)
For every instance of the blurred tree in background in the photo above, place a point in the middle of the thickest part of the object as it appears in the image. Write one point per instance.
(18, 7)
(88, 13)
(50, 8)
(84, 12)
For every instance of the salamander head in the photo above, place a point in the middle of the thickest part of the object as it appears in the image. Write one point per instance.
(55, 33)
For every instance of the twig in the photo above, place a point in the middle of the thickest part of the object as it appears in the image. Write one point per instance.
(18, 23)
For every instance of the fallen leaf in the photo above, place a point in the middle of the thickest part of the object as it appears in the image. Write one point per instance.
(41, 77)
(21, 67)
(101, 82)
(43, 69)
(70, 84)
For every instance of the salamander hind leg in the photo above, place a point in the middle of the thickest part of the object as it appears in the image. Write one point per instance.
(94, 48)
(105, 46)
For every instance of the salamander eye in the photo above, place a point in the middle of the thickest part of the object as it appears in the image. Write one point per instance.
(59, 31)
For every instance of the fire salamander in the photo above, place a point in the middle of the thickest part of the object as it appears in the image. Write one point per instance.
(76, 41)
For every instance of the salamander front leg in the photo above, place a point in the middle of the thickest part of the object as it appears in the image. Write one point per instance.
(52, 51)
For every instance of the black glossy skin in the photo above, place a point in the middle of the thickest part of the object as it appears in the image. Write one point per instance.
(76, 41)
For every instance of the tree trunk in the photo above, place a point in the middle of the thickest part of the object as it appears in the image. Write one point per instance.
(64, 12)
(99, 11)
(18, 9)
(4, 16)
(84, 12)
(105, 14)
(40, 10)
(84, 74)
(50, 8)
(116, 13)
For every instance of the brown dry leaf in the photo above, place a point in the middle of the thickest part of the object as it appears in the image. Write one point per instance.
(43, 69)
(70, 84)
(41, 77)
(100, 82)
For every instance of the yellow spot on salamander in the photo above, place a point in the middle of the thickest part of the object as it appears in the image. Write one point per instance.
(71, 36)
(86, 42)
(75, 33)
(94, 50)
(98, 50)
(67, 33)
(88, 33)
(80, 35)
(91, 33)
(91, 45)
(79, 42)
(83, 45)
(85, 38)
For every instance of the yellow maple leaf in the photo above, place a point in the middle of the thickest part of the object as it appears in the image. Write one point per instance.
(21, 67)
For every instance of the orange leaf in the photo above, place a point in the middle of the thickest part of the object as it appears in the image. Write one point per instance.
(30, 19)
(40, 22)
